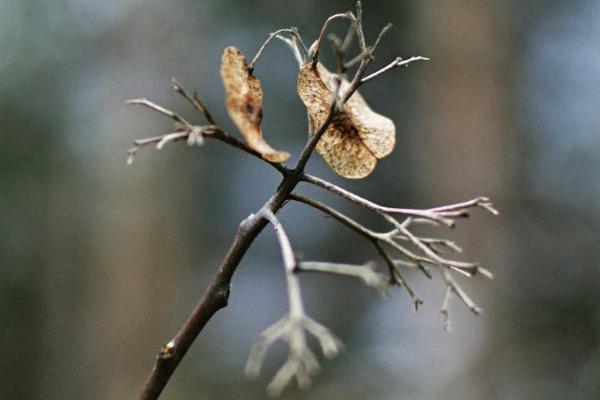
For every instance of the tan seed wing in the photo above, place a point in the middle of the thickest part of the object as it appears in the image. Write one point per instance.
(357, 137)
(243, 97)
(377, 132)
(344, 151)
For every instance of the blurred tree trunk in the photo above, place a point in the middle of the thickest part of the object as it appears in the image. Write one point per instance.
(462, 142)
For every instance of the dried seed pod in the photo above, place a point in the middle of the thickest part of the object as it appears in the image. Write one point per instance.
(357, 137)
(243, 96)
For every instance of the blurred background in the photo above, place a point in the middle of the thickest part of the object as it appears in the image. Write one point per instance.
(101, 262)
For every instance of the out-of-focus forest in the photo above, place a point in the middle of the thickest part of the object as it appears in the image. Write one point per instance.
(101, 262)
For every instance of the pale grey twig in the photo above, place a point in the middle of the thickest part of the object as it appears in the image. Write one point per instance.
(397, 63)
(301, 363)
(315, 48)
(395, 276)
(364, 272)
(292, 31)
(174, 116)
(382, 33)
(442, 215)
(453, 288)
(294, 47)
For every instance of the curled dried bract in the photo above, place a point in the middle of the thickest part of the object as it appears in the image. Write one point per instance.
(357, 137)
(243, 96)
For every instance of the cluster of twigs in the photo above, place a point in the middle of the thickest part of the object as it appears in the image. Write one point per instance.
(399, 248)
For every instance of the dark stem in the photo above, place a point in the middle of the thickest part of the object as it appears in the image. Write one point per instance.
(215, 296)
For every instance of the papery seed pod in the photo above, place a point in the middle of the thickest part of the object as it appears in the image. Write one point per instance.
(357, 137)
(243, 97)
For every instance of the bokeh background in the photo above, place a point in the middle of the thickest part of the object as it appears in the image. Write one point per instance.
(100, 262)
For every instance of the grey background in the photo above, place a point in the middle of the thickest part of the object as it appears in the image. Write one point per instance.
(101, 262)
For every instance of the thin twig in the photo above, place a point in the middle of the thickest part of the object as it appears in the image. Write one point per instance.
(316, 47)
(293, 31)
(397, 63)
(396, 276)
(289, 260)
(153, 106)
(194, 101)
(294, 47)
(206, 131)
(301, 362)
(443, 214)
(382, 33)
(364, 272)
(374, 237)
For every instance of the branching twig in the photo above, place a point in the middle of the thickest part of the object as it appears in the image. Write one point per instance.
(292, 31)
(194, 101)
(444, 215)
(395, 276)
(301, 362)
(316, 47)
(193, 134)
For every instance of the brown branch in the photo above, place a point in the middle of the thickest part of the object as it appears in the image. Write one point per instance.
(191, 131)
(214, 298)
(395, 276)
(194, 101)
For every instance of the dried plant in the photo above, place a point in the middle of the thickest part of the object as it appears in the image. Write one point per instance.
(351, 138)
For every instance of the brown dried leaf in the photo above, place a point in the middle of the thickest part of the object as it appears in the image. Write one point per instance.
(243, 97)
(357, 137)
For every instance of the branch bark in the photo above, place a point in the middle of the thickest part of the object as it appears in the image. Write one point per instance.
(214, 298)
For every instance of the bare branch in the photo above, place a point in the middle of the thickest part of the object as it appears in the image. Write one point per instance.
(316, 47)
(292, 31)
(292, 43)
(194, 101)
(452, 288)
(397, 63)
(382, 33)
(444, 215)
(301, 362)
(364, 272)
(445, 310)
(396, 276)
(194, 134)
(153, 106)
(375, 238)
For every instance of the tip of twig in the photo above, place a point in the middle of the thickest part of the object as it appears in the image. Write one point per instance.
(358, 9)
(140, 100)
(130, 157)
(486, 273)
(447, 322)
(175, 85)
(476, 310)
(416, 303)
